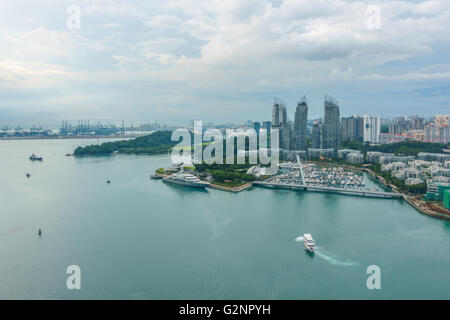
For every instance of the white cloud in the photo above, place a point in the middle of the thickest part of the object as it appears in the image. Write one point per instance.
(112, 25)
(122, 61)
(30, 74)
(202, 48)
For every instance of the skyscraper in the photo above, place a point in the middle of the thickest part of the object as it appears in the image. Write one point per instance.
(287, 135)
(317, 138)
(267, 125)
(417, 123)
(442, 120)
(257, 126)
(371, 129)
(280, 122)
(332, 124)
(352, 128)
(399, 125)
(301, 117)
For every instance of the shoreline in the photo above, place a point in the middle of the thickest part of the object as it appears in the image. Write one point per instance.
(70, 137)
(422, 210)
(405, 197)
(243, 187)
(380, 179)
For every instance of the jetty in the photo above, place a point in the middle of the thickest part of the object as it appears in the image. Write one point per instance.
(348, 191)
(301, 181)
(231, 189)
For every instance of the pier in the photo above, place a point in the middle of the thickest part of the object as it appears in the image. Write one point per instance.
(355, 192)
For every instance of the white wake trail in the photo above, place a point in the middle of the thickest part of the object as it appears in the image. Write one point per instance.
(330, 257)
(334, 259)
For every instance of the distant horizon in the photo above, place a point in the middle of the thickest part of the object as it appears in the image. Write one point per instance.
(177, 60)
(138, 123)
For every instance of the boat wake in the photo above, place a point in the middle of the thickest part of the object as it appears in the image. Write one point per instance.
(330, 257)
(334, 259)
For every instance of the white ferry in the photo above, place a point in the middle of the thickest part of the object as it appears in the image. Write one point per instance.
(308, 242)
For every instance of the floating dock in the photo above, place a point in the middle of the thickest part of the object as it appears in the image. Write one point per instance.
(355, 192)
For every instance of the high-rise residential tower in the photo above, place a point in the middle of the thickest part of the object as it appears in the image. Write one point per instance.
(257, 126)
(332, 124)
(280, 122)
(301, 117)
(287, 135)
(352, 128)
(371, 129)
(317, 138)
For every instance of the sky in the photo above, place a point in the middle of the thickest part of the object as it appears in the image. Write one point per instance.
(220, 60)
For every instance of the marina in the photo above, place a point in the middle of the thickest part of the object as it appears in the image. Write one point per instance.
(332, 179)
(346, 191)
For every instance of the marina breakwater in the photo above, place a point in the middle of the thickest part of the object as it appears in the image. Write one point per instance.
(355, 192)
(230, 189)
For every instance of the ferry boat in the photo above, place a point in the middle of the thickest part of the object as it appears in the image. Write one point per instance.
(34, 157)
(186, 179)
(308, 242)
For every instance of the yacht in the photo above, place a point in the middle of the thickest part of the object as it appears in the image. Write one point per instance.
(34, 157)
(308, 242)
(186, 179)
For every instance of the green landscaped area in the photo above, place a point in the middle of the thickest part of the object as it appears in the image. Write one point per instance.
(417, 189)
(226, 175)
(231, 184)
(406, 148)
(156, 143)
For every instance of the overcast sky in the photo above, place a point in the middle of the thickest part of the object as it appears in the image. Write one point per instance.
(220, 60)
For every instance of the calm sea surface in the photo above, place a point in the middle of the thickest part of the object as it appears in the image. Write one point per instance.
(138, 238)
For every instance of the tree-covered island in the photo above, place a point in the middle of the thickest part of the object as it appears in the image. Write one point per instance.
(158, 142)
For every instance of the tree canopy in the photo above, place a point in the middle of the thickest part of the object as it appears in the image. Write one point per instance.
(156, 143)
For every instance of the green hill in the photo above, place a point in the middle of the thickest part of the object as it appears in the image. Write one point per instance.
(156, 143)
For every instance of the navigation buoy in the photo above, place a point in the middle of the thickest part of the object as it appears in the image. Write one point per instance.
(40, 232)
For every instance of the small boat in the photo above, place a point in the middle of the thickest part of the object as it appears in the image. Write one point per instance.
(28, 175)
(39, 232)
(308, 242)
(34, 157)
(108, 181)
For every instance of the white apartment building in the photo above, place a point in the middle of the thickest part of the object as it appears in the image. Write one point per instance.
(371, 129)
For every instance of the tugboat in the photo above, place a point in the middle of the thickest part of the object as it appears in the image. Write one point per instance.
(34, 157)
(308, 242)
